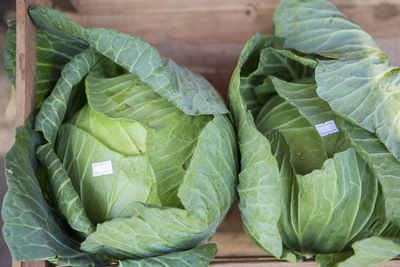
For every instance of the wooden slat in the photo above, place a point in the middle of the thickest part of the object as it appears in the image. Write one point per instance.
(268, 261)
(227, 26)
(25, 55)
(25, 59)
(173, 6)
(207, 35)
(32, 264)
(26, 76)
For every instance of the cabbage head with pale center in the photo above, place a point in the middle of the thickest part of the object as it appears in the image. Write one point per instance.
(316, 107)
(129, 158)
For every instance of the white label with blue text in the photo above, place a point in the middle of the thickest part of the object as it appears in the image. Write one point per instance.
(326, 128)
(102, 168)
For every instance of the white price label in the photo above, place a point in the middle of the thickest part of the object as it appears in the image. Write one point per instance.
(102, 168)
(326, 128)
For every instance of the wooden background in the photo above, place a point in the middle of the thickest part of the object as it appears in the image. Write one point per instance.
(207, 37)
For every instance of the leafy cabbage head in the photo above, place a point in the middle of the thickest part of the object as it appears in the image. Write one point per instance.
(318, 138)
(129, 158)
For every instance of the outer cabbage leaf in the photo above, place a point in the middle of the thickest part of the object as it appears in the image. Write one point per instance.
(196, 257)
(260, 175)
(53, 51)
(368, 252)
(317, 26)
(259, 190)
(372, 251)
(187, 91)
(208, 187)
(382, 163)
(366, 92)
(68, 201)
(281, 63)
(331, 203)
(303, 97)
(288, 187)
(9, 53)
(309, 152)
(48, 120)
(332, 259)
(256, 88)
(26, 212)
(51, 115)
(307, 224)
(153, 231)
(359, 83)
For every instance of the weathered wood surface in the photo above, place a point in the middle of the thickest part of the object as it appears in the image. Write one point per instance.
(268, 261)
(26, 54)
(143, 6)
(208, 35)
(32, 264)
(26, 76)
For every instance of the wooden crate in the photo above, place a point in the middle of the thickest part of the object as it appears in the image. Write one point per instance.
(207, 37)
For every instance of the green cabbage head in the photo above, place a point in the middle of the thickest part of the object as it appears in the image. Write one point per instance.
(130, 158)
(316, 108)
